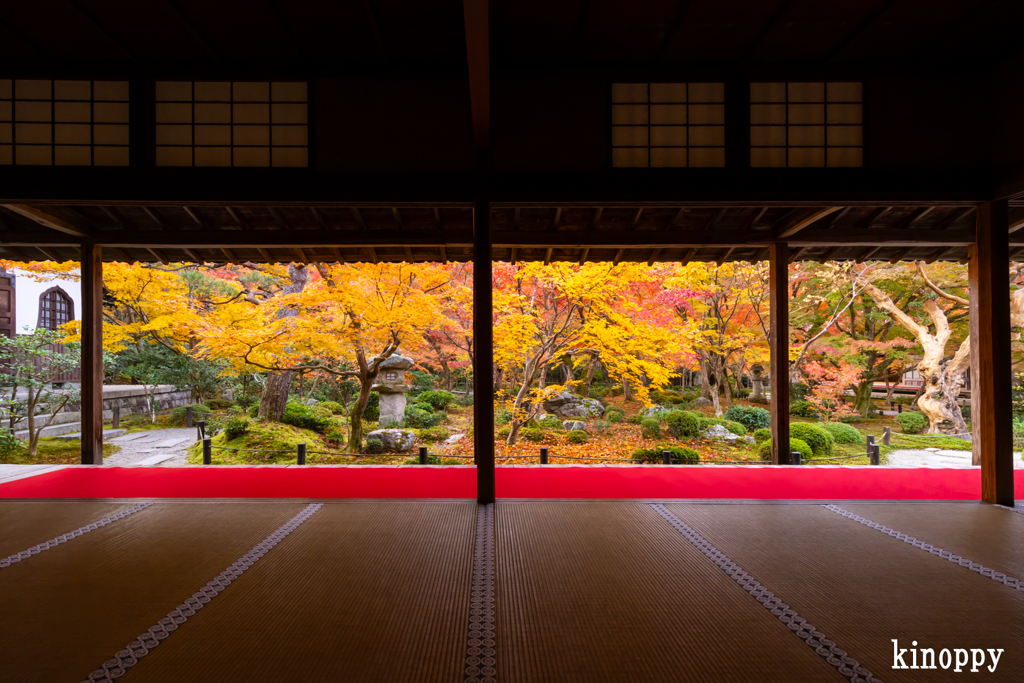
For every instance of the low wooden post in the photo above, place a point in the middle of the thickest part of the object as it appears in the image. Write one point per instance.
(301, 455)
(876, 455)
(207, 451)
(870, 443)
(667, 457)
(202, 430)
(796, 457)
(188, 417)
(778, 347)
(886, 436)
(116, 417)
(423, 455)
(543, 456)
(899, 408)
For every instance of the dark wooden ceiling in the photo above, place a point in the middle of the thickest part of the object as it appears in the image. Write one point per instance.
(444, 232)
(430, 34)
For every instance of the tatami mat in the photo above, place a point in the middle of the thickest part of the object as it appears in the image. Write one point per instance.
(360, 592)
(24, 524)
(67, 610)
(864, 588)
(610, 592)
(986, 534)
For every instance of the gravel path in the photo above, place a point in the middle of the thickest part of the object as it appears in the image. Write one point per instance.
(142, 448)
(934, 457)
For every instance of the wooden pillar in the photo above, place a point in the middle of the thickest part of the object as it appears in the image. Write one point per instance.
(92, 354)
(483, 354)
(778, 347)
(991, 415)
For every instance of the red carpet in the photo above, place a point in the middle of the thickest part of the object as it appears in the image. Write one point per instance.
(790, 483)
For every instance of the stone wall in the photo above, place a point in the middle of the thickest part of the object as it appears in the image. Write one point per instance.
(131, 399)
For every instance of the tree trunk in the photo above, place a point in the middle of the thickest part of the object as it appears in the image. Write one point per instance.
(627, 392)
(528, 374)
(862, 396)
(355, 416)
(591, 367)
(275, 393)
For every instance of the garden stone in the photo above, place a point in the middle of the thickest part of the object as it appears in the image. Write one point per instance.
(564, 404)
(572, 425)
(655, 411)
(701, 401)
(718, 432)
(454, 438)
(750, 439)
(397, 440)
(311, 401)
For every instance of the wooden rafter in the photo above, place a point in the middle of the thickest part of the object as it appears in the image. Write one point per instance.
(153, 213)
(59, 218)
(636, 217)
(796, 222)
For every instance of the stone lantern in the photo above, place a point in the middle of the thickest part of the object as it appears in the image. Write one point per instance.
(757, 378)
(392, 387)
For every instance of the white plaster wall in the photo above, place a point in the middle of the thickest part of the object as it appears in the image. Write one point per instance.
(27, 293)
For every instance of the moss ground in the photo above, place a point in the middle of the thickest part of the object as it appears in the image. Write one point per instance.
(53, 451)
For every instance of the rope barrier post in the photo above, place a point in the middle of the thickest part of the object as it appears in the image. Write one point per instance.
(423, 455)
(117, 417)
(796, 457)
(667, 457)
(302, 453)
(899, 408)
(871, 443)
(202, 430)
(886, 435)
(876, 453)
(543, 456)
(207, 451)
(188, 417)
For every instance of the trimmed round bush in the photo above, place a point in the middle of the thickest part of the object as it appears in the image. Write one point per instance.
(577, 436)
(762, 435)
(765, 450)
(750, 417)
(503, 417)
(820, 441)
(615, 417)
(219, 404)
(180, 414)
(434, 434)
(420, 415)
(736, 428)
(843, 433)
(683, 423)
(373, 446)
(680, 455)
(636, 419)
(440, 400)
(912, 423)
(532, 434)
(649, 428)
(504, 431)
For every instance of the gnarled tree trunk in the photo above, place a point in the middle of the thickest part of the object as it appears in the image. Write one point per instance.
(275, 393)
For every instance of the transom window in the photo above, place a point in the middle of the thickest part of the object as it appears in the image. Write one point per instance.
(55, 309)
(63, 123)
(806, 124)
(668, 124)
(231, 123)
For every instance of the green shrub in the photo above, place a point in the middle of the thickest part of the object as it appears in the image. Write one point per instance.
(421, 415)
(550, 422)
(615, 409)
(912, 423)
(534, 434)
(439, 399)
(759, 400)
(434, 434)
(649, 428)
(736, 428)
(597, 391)
(615, 417)
(680, 455)
(304, 417)
(336, 435)
(706, 422)
(750, 417)
(798, 391)
(801, 409)
(504, 431)
(236, 426)
(219, 404)
(333, 406)
(577, 436)
(373, 446)
(842, 433)
(851, 419)
(820, 441)
(765, 450)
(601, 426)
(636, 419)
(431, 460)
(682, 423)
(762, 435)
(199, 412)
(503, 417)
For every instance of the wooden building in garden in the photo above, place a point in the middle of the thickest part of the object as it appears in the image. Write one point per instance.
(516, 130)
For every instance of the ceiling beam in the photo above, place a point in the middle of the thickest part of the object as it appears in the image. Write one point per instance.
(858, 30)
(59, 218)
(673, 29)
(157, 218)
(873, 216)
(718, 216)
(765, 31)
(802, 219)
(914, 216)
(636, 217)
(653, 256)
(478, 49)
(557, 218)
(278, 218)
(398, 216)
(196, 217)
(237, 218)
(953, 217)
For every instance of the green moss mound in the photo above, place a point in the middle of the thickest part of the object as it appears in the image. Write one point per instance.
(179, 415)
(649, 428)
(680, 455)
(765, 450)
(262, 442)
